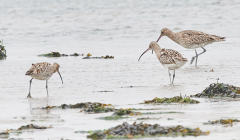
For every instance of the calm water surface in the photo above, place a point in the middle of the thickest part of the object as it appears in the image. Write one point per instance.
(122, 29)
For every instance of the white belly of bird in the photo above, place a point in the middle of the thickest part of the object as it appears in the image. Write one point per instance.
(41, 77)
(194, 46)
(174, 66)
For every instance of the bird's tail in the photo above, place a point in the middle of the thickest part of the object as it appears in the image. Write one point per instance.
(218, 38)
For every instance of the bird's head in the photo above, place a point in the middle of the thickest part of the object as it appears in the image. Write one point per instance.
(56, 69)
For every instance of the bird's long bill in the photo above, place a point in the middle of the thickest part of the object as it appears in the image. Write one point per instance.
(159, 38)
(60, 76)
(143, 53)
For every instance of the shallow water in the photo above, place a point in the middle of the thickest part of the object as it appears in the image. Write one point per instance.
(122, 29)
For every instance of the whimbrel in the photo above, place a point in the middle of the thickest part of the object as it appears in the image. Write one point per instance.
(191, 40)
(170, 59)
(42, 71)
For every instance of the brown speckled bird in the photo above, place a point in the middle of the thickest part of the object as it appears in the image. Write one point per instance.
(191, 39)
(42, 71)
(170, 59)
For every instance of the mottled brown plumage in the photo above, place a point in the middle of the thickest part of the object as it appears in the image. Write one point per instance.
(42, 71)
(170, 59)
(191, 39)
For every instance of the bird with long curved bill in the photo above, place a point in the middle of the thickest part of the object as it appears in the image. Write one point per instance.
(42, 71)
(170, 59)
(191, 39)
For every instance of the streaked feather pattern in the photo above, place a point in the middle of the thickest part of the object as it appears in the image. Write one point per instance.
(42, 71)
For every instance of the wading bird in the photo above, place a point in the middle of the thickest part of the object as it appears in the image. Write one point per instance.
(42, 71)
(170, 59)
(191, 40)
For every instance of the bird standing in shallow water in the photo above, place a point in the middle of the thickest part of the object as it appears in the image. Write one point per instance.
(42, 71)
(170, 59)
(191, 40)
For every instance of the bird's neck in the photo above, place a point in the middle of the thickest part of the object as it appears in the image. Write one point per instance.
(54, 67)
(157, 51)
(172, 36)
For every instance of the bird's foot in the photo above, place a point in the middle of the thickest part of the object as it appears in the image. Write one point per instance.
(29, 96)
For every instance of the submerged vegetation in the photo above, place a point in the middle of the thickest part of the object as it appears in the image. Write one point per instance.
(3, 53)
(102, 57)
(57, 54)
(32, 126)
(52, 54)
(121, 112)
(112, 118)
(219, 90)
(87, 107)
(223, 121)
(145, 130)
(20, 130)
(177, 99)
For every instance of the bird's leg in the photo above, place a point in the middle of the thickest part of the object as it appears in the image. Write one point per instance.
(47, 87)
(29, 94)
(204, 50)
(169, 76)
(194, 57)
(173, 76)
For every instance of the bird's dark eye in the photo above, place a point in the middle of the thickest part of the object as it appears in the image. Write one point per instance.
(162, 32)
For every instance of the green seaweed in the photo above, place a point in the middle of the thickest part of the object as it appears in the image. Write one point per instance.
(177, 99)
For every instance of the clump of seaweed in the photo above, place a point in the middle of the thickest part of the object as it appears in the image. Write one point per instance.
(223, 121)
(177, 99)
(32, 126)
(57, 54)
(121, 112)
(219, 90)
(145, 130)
(3, 53)
(107, 56)
(52, 54)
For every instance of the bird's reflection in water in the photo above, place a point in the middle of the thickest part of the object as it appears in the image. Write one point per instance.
(36, 108)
